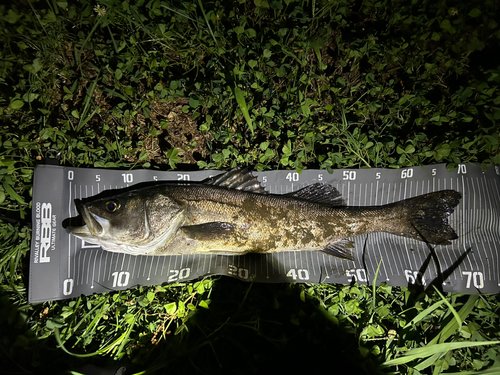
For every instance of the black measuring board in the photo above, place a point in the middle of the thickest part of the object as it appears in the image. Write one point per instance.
(63, 266)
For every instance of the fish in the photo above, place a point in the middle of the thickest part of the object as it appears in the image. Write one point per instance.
(232, 214)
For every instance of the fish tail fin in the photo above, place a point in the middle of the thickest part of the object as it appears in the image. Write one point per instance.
(425, 217)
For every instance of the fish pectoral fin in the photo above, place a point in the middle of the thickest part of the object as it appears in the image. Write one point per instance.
(340, 249)
(209, 231)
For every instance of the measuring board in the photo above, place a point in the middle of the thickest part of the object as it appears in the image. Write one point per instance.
(63, 266)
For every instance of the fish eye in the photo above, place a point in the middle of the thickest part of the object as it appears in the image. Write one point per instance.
(112, 206)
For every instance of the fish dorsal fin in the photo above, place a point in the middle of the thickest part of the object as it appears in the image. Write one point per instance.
(319, 193)
(239, 179)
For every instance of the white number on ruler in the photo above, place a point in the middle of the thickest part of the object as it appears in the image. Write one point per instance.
(98, 177)
(302, 274)
(377, 176)
(182, 177)
(264, 178)
(320, 177)
(179, 274)
(292, 176)
(120, 278)
(349, 175)
(415, 277)
(433, 171)
(70, 175)
(356, 274)
(462, 169)
(128, 177)
(67, 287)
(242, 273)
(477, 279)
(407, 173)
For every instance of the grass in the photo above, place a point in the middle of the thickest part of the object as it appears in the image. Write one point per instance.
(268, 84)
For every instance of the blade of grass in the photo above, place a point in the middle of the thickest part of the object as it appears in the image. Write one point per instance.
(9, 190)
(447, 331)
(350, 140)
(424, 314)
(452, 309)
(240, 99)
(208, 23)
(83, 117)
(452, 326)
(125, 337)
(493, 370)
(374, 286)
(78, 52)
(429, 350)
(61, 345)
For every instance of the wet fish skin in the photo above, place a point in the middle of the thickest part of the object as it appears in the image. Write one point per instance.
(210, 218)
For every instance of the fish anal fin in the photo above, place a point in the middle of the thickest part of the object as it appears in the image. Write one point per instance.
(319, 193)
(209, 231)
(340, 249)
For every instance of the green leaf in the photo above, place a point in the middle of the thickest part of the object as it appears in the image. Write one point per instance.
(129, 318)
(118, 74)
(305, 110)
(287, 149)
(171, 308)
(261, 3)
(239, 30)
(194, 103)
(251, 33)
(37, 65)
(446, 25)
(435, 37)
(30, 96)
(50, 17)
(410, 149)
(252, 63)
(475, 13)
(16, 104)
(12, 16)
(151, 296)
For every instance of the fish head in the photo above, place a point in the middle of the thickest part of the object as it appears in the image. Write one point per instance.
(128, 223)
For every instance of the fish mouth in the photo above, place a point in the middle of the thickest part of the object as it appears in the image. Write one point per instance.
(93, 224)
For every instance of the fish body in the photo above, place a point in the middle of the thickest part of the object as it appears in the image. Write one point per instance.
(233, 215)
